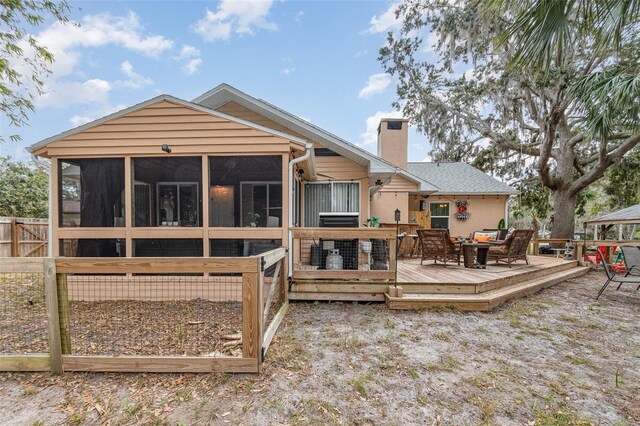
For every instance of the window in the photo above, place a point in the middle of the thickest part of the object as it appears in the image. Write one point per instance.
(166, 191)
(439, 215)
(342, 197)
(245, 191)
(261, 204)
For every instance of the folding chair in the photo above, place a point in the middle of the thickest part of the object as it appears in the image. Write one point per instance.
(631, 276)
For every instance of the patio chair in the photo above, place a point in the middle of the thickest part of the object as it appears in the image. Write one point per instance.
(436, 244)
(632, 274)
(631, 256)
(513, 248)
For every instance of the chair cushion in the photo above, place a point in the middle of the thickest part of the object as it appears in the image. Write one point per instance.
(482, 238)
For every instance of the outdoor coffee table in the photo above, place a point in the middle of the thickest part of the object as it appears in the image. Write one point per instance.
(475, 255)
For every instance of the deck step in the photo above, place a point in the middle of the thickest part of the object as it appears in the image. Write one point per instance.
(337, 297)
(372, 291)
(485, 301)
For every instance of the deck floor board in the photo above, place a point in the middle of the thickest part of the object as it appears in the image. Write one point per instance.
(410, 270)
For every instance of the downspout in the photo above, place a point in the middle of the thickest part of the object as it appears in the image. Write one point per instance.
(308, 150)
(506, 211)
(371, 188)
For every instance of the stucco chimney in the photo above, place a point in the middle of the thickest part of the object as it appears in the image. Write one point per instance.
(393, 134)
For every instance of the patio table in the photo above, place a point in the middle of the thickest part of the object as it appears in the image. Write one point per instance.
(475, 255)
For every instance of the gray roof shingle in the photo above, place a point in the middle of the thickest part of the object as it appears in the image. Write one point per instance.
(629, 214)
(459, 178)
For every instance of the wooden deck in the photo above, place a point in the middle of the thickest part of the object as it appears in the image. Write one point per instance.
(423, 284)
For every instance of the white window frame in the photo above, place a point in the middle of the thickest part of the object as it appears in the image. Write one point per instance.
(448, 217)
(333, 201)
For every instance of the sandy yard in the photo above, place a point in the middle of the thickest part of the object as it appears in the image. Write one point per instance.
(555, 358)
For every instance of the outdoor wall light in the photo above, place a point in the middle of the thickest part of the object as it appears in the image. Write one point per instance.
(166, 148)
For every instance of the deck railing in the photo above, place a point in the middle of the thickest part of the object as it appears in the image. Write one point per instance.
(366, 253)
(140, 314)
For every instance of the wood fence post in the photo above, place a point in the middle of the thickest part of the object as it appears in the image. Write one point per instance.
(250, 320)
(15, 240)
(63, 309)
(53, 322)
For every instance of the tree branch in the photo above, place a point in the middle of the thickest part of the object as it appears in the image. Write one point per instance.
(607, 160)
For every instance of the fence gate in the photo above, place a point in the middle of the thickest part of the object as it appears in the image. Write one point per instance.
(21, 237)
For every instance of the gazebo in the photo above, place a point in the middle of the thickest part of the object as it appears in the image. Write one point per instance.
(627, 216)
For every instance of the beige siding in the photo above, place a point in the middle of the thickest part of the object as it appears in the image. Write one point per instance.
(243, 113)
(187, 130)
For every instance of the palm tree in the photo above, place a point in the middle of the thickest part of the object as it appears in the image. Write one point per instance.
(542, 35)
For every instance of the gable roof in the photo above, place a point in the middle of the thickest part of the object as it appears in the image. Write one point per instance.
(628, 215)
(157, 99)
(460, 178)
(224, 93)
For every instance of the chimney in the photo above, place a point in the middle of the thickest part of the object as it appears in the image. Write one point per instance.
(393, 134)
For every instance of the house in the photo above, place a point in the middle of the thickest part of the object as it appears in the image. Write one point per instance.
(230, 175)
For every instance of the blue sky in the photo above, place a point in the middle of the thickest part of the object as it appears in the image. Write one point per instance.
(315, 59)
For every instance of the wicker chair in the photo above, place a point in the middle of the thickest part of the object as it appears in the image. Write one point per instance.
(514, 247)
(436, 244)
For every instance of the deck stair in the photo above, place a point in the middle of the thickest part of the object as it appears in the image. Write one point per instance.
(452, 285)
(485, 300)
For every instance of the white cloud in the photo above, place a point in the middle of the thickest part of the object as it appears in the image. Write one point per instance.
(377, 84)
(231, 16)
(135, 81)
(191, 56)
(289, 66)
(61, 95)
(360, 53)
(79, 120)
(192, 66)
(385, 21)
(298, 17)
(97, 31)
(369, 139)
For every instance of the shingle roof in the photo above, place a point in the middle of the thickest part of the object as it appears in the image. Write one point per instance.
(628, 215)
(459, 178)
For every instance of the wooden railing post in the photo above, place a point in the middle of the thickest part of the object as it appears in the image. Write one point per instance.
(63, 309)
(580, 252)
(393, 254)
(53, 322)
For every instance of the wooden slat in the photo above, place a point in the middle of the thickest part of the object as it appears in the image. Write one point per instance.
(168, 232)
(273, 327)
(344, 274)
(250, 318)
(156, 265)
(51, 304)
(272, 256)
(344, 233)
(54, 207)
(86, 232)
(21, 265)
(24, 362)
(149, 364)
(246, 233)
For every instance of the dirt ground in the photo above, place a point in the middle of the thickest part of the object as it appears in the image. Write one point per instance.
(555, 358)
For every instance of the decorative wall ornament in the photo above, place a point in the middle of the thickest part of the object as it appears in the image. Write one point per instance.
(463, 213)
